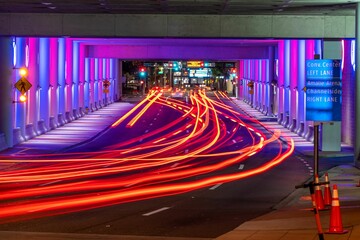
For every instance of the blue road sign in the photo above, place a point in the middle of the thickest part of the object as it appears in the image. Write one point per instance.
(323, 90)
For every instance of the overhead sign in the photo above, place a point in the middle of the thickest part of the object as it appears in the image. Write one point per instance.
(323, 90)
(23, 85)
(195, 64)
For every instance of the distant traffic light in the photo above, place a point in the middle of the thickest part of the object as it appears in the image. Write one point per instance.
(233, 72)
(142, 71)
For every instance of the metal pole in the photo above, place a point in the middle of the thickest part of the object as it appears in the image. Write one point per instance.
(316, 150)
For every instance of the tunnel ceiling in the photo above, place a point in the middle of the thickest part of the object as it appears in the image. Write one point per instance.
(217, 7)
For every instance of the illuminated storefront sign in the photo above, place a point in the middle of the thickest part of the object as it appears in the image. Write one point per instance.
(323, 90)
(195, 64)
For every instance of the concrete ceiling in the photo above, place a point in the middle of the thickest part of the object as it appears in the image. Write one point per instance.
(213, 7)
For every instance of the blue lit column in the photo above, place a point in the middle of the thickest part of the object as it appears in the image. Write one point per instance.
(44, 67)
(286, 85)
(6, 87)
(20, 108)
(118, 80)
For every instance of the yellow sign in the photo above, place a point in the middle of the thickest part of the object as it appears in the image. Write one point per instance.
(106, 83)
(195, 64)
(23, 85)
(106, 90)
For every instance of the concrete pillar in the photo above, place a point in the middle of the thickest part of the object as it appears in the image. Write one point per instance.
(6, 88)
(331, 133)
(357, 89)
(44, 75)
(32, 99)
(61, 88)
(53, 84)
(300, 110)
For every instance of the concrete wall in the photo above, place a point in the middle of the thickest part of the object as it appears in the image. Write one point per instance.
(147, 25)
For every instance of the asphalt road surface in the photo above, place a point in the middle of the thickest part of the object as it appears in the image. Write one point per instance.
(204, 211)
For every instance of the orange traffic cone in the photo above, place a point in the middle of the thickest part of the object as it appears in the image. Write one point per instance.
(335, 215)
(318, 195)
(327, 192)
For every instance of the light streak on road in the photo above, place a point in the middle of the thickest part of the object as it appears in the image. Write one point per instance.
(183, 155)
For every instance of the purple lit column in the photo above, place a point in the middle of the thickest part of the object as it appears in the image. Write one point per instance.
(87, 85)
(81, 99)
(241, 80)
(75, 80)
(96, 83)
(286, 85)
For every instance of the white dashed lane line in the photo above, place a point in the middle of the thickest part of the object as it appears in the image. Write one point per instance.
(215, 186)
(156, 211)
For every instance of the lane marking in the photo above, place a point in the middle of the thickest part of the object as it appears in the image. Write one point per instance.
(156, 211)
(215, 186)
(146, 131)
(241, 167)
(234, 141)
(48, 183)
(155, 119)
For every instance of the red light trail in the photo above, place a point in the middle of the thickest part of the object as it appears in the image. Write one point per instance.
(197, 150)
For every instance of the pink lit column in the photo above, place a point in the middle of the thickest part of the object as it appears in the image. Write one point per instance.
(69, 81)
(53, 96)
(33, 77)
(309, 54)
(280, 84)
(92, 85)
(293, 84)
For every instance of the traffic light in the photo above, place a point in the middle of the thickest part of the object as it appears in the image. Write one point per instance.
(142, 71)
(233, 72)
(23, 72)
(22, 98)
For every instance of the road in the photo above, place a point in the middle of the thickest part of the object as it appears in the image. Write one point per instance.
(168, 168)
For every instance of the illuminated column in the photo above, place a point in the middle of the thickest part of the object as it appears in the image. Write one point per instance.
(286, 88)
(348, 82)
(19, 108)
(32, 94)
(281, 79)
(293, 85)
(300, 108)
(270, 65)
(96, 83)
(69, 85)
(112, 77)
(53, 92)
(87, 85)
(241, 80)
(357, 89)
(264, 80)
(61, 86)
(101, 73)
(92, 85)
(82, 82)
(118, 80)
(309, 54)
(43, 88)
(75, 79)
(6, 89)
(257, 74)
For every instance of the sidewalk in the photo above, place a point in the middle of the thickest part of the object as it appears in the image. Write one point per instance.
(292, 219)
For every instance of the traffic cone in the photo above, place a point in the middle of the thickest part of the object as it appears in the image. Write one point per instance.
(318, 195)
(335, 215)
(327, 191)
